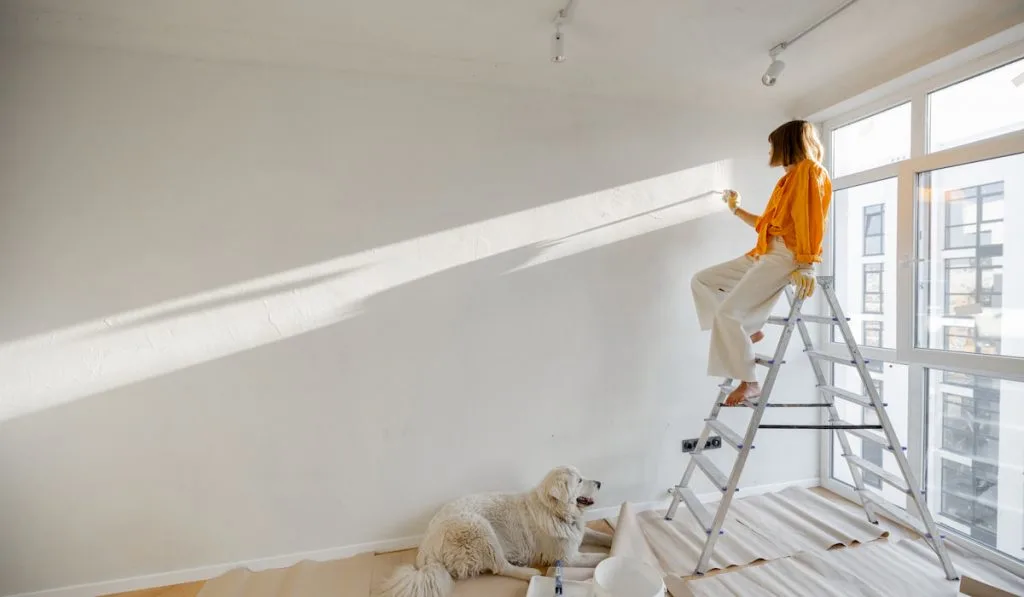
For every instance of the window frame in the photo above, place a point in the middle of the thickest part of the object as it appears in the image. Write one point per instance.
(920, 360)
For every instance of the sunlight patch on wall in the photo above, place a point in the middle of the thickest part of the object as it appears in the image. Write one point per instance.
(63, 365)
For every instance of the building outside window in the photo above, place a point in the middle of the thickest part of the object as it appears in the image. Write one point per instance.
(872, 333)
(971, 281)
(974, 219)
(874, 229)
(970, 422)
(873, 287)
(970, 497)
(968, 339)
(871, 451)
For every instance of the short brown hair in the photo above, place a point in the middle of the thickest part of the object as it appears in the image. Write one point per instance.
(794, 142)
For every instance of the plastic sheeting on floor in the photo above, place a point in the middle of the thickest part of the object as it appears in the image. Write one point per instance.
(883, 569)
(761, 527)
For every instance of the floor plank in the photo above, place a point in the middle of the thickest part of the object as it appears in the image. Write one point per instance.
(185, 590)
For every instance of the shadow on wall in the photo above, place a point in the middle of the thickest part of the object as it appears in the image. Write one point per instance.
(64, 365)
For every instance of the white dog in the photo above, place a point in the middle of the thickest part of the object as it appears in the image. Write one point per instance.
(503, 534)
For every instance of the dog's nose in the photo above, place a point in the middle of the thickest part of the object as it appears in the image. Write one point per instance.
(598, 483)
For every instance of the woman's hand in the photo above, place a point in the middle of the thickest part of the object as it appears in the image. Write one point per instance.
(804, 281)
(732, 199)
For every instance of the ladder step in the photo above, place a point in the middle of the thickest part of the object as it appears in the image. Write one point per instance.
(716, 476)
(728, 435)
(816, 354)
(798, 405)
(827, 319)
(869, 436)
(836, 426)
(864, 401)
(894, 480)
(767, 361)
(696, 508)
(809, 318)
(753, 404)
(898, 514)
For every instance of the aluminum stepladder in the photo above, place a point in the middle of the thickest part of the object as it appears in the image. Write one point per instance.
(871, 501)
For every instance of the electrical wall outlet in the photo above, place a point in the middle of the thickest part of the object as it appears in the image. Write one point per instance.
(690, 445)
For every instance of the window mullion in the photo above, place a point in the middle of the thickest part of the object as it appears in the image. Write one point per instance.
(919, 123)
(906, 262)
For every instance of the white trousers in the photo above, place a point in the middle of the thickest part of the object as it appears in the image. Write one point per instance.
(734, 300)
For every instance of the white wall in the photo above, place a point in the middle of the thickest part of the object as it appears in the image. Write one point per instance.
(371, 310)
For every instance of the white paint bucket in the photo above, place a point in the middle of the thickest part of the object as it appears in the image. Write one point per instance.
(626, 577)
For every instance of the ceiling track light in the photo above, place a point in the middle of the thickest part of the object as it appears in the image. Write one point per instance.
(558, 39)
(775, 69)
(558, 45)
(771, 76)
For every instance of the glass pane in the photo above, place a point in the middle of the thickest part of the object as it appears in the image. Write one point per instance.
(962, 213)
(975, 458)
(985, 106)
(874, 141)
(865, 280)
(873, 333)
(873, 245)
(892, 381)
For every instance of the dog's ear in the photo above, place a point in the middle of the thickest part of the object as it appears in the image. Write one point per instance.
(559, 489)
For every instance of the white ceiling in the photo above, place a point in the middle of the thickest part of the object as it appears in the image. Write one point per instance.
(700, 49)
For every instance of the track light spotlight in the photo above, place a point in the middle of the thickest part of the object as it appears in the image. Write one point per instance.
(772, 74)
(558, 46)
(775, 69)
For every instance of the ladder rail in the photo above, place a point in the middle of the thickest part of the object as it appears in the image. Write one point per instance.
(873, 504)
(833, 414)
(748, 440)
(691, 466)
(916, 493)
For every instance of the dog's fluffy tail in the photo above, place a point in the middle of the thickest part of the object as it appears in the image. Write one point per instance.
(432, 580)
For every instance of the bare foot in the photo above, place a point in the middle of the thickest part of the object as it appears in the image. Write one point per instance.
(757, 336)
(747, 390)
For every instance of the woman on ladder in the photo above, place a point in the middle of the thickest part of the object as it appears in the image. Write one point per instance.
(735, 298)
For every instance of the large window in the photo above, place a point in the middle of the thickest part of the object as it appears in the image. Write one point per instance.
(871, 142)
(864, 259)
(980, 108)
(923, 244)
(961, 225)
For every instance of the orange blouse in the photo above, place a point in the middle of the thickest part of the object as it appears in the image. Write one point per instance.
(797, 212)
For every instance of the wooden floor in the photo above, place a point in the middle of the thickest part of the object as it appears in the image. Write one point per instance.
(387, 561)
